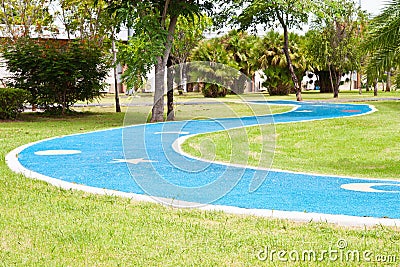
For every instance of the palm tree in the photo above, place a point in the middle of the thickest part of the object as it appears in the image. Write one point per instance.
(382, 41)
(238, 50)
(246, 52)
(215, 53)
(274, 63)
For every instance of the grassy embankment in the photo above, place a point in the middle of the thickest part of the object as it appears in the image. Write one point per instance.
(41, 225)
(365, 146)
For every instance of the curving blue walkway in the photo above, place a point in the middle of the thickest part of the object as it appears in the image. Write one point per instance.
(141, 159)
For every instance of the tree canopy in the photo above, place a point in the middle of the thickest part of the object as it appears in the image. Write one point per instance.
(57, 73)
(153, 26)
(334, 42)
(286, 14)
(381, 41)
(24, 18)
(166, 31)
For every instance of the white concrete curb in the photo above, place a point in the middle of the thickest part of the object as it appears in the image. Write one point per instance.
(344, 220)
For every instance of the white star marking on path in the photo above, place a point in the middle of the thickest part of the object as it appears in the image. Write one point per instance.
(132, 161)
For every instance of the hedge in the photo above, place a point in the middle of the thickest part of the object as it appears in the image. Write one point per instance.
(12, 102)
(57, 74)
(214, 90)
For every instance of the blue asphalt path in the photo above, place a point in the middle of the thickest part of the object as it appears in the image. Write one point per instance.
(140, 159)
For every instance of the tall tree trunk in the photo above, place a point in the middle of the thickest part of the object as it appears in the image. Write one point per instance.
(295, 80)
(335, 77)
(335, 95)
(170, 91)
(117, 104)
(359, 80)
(351, 80)
(253, 83)
(159, 78)
(388, 82)
(158, 106)
(376, 87)
(338, 76)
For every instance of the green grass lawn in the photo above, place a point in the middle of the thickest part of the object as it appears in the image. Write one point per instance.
(41, 225)
(307, 95)
(364, 146)
(345, 94)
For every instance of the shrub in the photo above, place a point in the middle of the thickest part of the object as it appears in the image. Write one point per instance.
(12, 102)
(214, 90)
(279, 81)
(280, 89)
(58, 74)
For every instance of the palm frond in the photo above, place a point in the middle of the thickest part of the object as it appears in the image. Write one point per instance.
(384, 29)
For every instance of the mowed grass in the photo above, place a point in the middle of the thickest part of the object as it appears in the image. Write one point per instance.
(364, 146)
(345, 93)
(41, 225)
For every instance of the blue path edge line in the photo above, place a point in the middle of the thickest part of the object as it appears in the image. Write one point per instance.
(283, 194)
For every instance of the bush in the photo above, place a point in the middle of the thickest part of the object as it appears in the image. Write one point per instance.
(57, 73)
(214, 90)
(12, 102)
(280, 89)
(279, 81)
